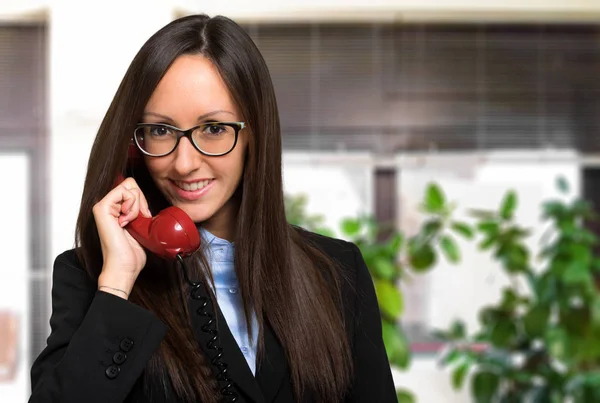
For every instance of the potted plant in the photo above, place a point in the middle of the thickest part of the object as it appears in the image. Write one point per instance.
(541, 342)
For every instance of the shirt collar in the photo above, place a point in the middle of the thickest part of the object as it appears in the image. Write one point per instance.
(220, 249)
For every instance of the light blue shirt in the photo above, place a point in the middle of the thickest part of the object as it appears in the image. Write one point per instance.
(220, 253)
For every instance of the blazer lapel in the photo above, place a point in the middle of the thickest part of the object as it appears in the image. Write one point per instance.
(273, 368)
(237, 367)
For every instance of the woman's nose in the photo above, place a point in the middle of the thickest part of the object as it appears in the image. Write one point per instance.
(187, 158)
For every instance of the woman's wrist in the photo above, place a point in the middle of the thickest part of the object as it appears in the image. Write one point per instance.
(116, 285)
(115, 291)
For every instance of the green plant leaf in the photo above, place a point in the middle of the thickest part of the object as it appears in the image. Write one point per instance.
(575, 320)
(515, 234)
(503, 332)
(510, 300)
(487, 243)
(396, 344)
(581, 253)
(484, 386)
(434, 199)
(541, 394)
(351, 226)
(405, 396)
(554, 209)
(544, 286)
(452, 357)
(422, 257)
(441, 334)
(515, 257)
(462, 229)
(521, 376)
(500, 360)
(509, 204)
(557, 342)
(488, 315)
(575, 383)
(489, 227)
(562, 185)
(536, 320)
(585, 386)
(593, 379)
(390, 298)
(430, 228)
(595, 308)
(482, 214)
(582, 208)
(450, 248)
(373, 227)
(458, 329)
(458, 375)
(384, 268)
(395, 244)
(403, 354)
(576, 272)
(390, 339)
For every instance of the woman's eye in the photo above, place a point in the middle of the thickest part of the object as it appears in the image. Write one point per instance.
(159, 131)
(215, 130)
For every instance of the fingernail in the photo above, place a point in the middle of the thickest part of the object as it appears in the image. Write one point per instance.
(124, 223)
(148, 213)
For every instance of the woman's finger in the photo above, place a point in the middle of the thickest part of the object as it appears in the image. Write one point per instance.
(131, 184)
(130, 208)
(117, 202)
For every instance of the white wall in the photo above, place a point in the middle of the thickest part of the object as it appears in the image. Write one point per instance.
(14, 276)
(397, 9)
(23, 10)
(386, 10)
(337, 188)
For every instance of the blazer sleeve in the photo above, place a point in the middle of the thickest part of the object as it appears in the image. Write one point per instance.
(99, 343)
(373, 380)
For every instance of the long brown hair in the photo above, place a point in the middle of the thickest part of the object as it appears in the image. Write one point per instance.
(289, 284)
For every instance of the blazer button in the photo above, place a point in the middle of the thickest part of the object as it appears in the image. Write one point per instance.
(112, 372)
(119, 358)
(126, 344)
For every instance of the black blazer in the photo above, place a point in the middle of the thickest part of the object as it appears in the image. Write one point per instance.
(100, 343)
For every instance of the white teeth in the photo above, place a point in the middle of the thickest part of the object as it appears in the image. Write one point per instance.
(190, 187)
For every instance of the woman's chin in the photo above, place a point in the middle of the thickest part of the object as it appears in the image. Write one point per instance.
(196, 216)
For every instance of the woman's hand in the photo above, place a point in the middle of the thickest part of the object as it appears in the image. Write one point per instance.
(123, 256)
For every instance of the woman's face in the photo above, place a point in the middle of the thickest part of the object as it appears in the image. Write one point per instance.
(190, 93)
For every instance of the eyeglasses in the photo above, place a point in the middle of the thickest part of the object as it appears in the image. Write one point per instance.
(212, 139)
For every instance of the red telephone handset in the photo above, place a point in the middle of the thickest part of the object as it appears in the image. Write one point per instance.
(167, 234)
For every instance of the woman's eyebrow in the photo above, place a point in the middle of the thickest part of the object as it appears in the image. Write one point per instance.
(201, 117)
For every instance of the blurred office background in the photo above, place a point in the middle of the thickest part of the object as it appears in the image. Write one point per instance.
(377, 98)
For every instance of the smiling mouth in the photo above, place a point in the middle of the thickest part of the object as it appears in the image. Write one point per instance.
(192, 186)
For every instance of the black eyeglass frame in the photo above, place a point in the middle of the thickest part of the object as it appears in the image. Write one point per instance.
(237, 126)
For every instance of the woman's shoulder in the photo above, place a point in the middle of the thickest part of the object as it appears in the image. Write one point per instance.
(69, 257)
(68, 268)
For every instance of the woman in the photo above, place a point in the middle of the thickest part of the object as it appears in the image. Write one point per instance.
(296, 316)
